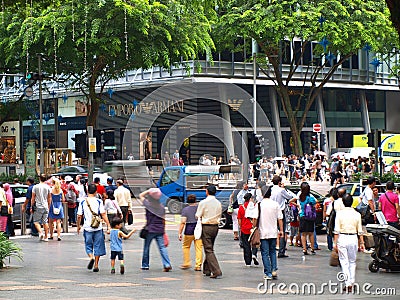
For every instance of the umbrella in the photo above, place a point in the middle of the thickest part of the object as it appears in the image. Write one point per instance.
(320, 153)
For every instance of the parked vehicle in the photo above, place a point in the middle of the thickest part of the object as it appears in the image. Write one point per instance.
(19, 192)
(177, 182)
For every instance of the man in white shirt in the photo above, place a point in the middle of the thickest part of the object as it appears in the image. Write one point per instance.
(270, 214)
(94, 236)
(123, 197)
(347, 227)
(209, 211)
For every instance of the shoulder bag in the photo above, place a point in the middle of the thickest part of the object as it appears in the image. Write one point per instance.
(96, 220)
(198, 230)
(254, 237)
(4, 206)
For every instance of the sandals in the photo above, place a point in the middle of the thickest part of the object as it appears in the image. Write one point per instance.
(305, 252)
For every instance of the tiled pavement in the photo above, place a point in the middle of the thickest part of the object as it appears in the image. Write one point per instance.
(57, 270)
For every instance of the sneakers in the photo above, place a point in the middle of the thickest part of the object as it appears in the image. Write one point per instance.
(255, 261)
(248, 266)
(122, 269)
(274, 275)
(370, 251)
(267, 277)
(45, 240)
(112, 271)
(41, 237)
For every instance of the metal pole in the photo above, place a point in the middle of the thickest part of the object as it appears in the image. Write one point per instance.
(254, 93)
(41, 115)
(318, 141)
(90, 167)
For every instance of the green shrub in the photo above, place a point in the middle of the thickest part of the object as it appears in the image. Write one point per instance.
(8, 249)
(10, 178)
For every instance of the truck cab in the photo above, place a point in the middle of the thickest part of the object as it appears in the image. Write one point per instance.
(177, 182)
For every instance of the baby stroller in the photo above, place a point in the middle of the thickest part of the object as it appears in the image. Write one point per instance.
(387, 247)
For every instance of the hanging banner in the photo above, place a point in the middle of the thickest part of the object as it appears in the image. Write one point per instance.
(30, 159)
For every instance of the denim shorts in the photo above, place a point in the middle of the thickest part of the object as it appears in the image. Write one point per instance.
(94, 242)
(114, 254)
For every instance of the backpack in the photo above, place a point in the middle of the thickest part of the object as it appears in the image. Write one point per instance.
(310, 213)
(70, 196)
(289, 215)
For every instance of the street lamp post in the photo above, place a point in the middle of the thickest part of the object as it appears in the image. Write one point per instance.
(41, 114)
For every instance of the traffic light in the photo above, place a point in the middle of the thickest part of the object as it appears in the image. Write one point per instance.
(371, 137)
(34, 76)
(323, 139)
(314, 140)
(258, 147)
(81, 145)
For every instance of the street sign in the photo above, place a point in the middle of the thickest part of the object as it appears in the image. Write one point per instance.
(92, 144)
(317, 127)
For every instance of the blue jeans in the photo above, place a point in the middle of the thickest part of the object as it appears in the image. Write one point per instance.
(315, 238)
(163, 250)
(329, 239)
(268, 254)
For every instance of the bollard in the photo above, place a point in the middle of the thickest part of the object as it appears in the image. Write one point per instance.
(23, 221)
(65, 220)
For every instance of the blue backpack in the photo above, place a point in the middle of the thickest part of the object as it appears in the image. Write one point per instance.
(310, 214)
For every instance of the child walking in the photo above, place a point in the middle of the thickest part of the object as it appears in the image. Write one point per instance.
(116, 243)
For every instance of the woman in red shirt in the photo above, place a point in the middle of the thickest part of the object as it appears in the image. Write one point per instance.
(245, 225)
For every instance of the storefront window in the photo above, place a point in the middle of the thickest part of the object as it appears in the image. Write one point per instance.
(7, 150)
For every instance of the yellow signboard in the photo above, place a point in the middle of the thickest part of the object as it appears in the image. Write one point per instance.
(92, 145)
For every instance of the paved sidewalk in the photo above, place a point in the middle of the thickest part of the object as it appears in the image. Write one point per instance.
(57, 270)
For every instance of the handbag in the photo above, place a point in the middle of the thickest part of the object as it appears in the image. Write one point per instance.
(310, 213)
(166, 239)
(96, 220)
(334, 259)
(56, 210)
(130, 218)
(198, 230)
(143, 233)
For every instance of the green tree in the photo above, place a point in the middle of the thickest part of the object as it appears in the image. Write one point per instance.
(94, 41)
(335, 29)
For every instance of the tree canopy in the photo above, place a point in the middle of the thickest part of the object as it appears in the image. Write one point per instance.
(94, 41)
(336, 30)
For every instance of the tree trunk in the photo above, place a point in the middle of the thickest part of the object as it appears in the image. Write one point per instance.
(93, 101)
(394, 8)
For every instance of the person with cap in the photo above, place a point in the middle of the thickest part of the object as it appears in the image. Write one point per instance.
(110, 185)
(123, 197)
(155, 225)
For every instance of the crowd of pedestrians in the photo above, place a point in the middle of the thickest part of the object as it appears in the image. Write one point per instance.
(277, 213)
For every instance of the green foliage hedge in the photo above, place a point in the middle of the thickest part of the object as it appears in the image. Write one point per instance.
(8, 249)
